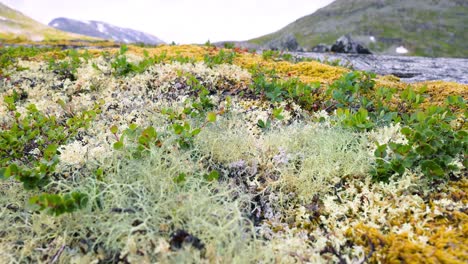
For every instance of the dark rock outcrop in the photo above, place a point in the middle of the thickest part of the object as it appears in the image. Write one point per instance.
(345, 44)
(104, 30)
(321, 48)
(288, 43)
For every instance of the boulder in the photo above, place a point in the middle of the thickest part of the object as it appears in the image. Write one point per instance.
(288, 43)
(345, 44)
(320, 48)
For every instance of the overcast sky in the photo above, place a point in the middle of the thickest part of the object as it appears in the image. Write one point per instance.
(182, 21)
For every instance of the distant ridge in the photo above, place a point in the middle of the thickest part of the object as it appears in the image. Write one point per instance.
(104, 30)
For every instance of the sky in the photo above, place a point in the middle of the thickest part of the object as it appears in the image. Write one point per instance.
(181, 21)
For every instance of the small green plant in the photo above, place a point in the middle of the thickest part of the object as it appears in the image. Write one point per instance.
(57, 204)
(182, 59)
(29, 146)
(142, 140)
(270, 54)
(359, 104)
(357, 120)
(229, 45)
(278, 91)
(209, 44)
(410, 100)
(9, 56)
(186, 134)
(120, 65)
(264, 125)
(67, 69)
(276, 114)
(212, 176)
(221, 58)
(283, 56)
(351, 90)
(434, 144)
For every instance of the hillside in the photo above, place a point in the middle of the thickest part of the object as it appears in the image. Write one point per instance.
(435, 28)
(15, 25)
(104, 30)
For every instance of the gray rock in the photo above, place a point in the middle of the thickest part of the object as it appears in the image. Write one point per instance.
(320, 48)
(288, 43)
(345, 44)
(408, 69)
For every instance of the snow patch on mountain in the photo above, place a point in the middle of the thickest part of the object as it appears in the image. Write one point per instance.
(401, 50)
(101, 28)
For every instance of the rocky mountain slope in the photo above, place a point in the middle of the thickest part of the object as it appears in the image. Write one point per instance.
(15, 25)
(104, 30)
(435, 28)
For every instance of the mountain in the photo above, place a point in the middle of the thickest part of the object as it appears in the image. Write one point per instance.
(15, 25)
(104, 30)
(434, 28)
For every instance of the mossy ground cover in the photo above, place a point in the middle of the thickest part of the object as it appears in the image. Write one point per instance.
(193, 154)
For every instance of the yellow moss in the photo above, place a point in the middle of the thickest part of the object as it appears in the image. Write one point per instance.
(436, 91)
(445, 245)
(446, 234)
(307, 72)
(191, 51)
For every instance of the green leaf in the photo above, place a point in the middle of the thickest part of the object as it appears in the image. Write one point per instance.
(277, 113)
(118, 145)
(178, 129)
(425, 150)
(180, 178)
(99, 173)
(261, 124)
(406, 131)
(196, 131)
(214, 175)
(211, 117)
(50, 151)
(150, 132)
(461, 135)
(114, 129)
(431, 168)
(381, 151)
(3, 173)
(143, 140)
(61, 103)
